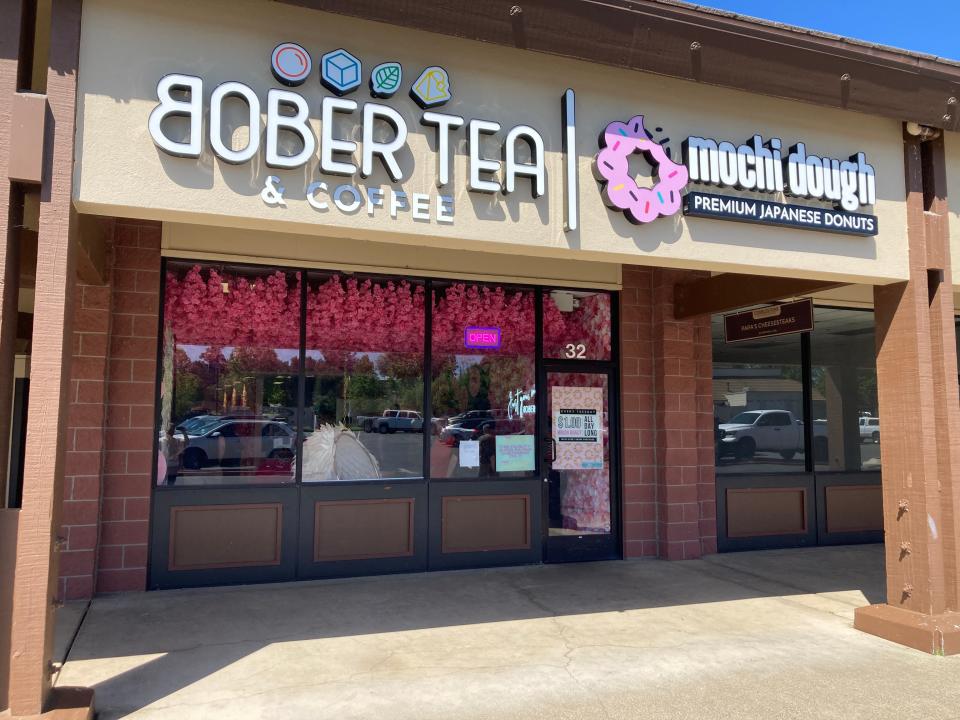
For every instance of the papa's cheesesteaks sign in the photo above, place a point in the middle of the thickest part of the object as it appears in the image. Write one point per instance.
(288, 143)
(770, 321)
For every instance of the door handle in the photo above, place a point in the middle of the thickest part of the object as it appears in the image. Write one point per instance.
(550, 450)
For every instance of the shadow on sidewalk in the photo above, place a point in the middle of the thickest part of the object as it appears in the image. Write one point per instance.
(194, 633)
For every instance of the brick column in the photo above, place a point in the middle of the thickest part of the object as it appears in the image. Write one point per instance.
(85, 425)
(640, 537)
(669, 491)
(9, 286)
(128, 448)
(11, 216)
(917, 385)
(684, 406)
(35, 580)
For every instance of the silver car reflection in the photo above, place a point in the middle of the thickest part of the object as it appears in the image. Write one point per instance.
(237, 442)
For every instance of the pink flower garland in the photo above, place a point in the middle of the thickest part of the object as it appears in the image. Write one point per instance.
(346, 314)
(460, 306)
(365, 316)
(262, 313)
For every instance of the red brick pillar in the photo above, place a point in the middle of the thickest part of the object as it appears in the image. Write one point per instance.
(84, 442)
(638, 415)
(686, 494)
(667, 405)
(128, 449)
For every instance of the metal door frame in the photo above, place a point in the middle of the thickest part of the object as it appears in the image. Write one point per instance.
(297, 499)
(584, 547)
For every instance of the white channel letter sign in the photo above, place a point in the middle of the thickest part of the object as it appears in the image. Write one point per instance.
(763, 166)
(382, 136)
(289, 143)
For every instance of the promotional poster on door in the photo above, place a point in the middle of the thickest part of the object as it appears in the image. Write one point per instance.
(577, 422)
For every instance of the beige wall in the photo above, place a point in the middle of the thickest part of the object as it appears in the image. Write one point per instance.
(128, 45)
(951, 144)
(203, 242)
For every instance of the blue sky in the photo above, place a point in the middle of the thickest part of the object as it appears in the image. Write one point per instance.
(929, 27)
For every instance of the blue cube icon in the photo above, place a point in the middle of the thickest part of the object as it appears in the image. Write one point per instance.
(340, 71)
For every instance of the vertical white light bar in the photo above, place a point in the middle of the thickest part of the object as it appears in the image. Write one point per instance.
(571, 197)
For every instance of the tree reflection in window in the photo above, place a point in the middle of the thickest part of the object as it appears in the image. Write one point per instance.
(228, 392)
(364, 378)
(483, 395)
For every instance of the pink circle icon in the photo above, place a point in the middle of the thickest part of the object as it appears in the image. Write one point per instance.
(291, 64)
(620, 190)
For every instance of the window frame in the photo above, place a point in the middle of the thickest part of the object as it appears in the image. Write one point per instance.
(806, 373)
(428, 284)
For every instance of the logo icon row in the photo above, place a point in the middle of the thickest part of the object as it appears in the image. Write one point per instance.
(341, 72)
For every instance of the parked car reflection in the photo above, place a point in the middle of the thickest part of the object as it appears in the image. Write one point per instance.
(244, 449)
(476, 428)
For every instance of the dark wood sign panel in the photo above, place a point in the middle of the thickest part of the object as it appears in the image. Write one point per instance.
(791, 317)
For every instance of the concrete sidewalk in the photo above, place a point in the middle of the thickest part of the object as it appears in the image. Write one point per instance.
(751, 635)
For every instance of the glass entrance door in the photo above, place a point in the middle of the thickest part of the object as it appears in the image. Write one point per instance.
(578, 457)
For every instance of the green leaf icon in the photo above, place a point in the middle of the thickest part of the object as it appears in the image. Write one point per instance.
(386, 77)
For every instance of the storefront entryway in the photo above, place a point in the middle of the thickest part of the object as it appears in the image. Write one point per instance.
(324, 424)
(576, 457)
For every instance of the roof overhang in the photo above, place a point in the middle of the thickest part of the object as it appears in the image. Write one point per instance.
(694, 43)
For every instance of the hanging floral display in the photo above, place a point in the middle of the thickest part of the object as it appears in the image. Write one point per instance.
(365, 316)
(460, 306)
(223, 309)
(206, 306)
(587, 325)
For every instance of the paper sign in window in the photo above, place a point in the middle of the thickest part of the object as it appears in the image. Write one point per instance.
(515, 453)
(469, 453)
(577, 427)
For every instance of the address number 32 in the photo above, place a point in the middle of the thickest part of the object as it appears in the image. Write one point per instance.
(576, 351)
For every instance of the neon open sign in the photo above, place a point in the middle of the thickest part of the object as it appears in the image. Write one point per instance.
(481, 337)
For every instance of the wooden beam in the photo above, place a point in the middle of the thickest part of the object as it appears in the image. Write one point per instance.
(35, 576)
(917, 385)
(692, 43)
(729, 291)
(11, 215)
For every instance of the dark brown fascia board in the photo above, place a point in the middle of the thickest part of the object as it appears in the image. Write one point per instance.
(692, 43)
(731, 291)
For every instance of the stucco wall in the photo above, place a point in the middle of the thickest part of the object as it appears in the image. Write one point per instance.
(203, 242)
(128, 46)
(951, 147)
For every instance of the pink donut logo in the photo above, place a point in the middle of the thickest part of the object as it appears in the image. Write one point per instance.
(620, 190)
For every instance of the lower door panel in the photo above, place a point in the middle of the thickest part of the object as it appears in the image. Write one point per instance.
(765, 511)
(849, 508)
(207, 536)
(362, 529)
(484, 523)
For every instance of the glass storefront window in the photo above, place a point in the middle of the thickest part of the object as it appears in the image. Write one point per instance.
(576, 325)
(236, 407)
(844, 379)
(228, 394)
(364, 379)
(758, 404)
(483, 381)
